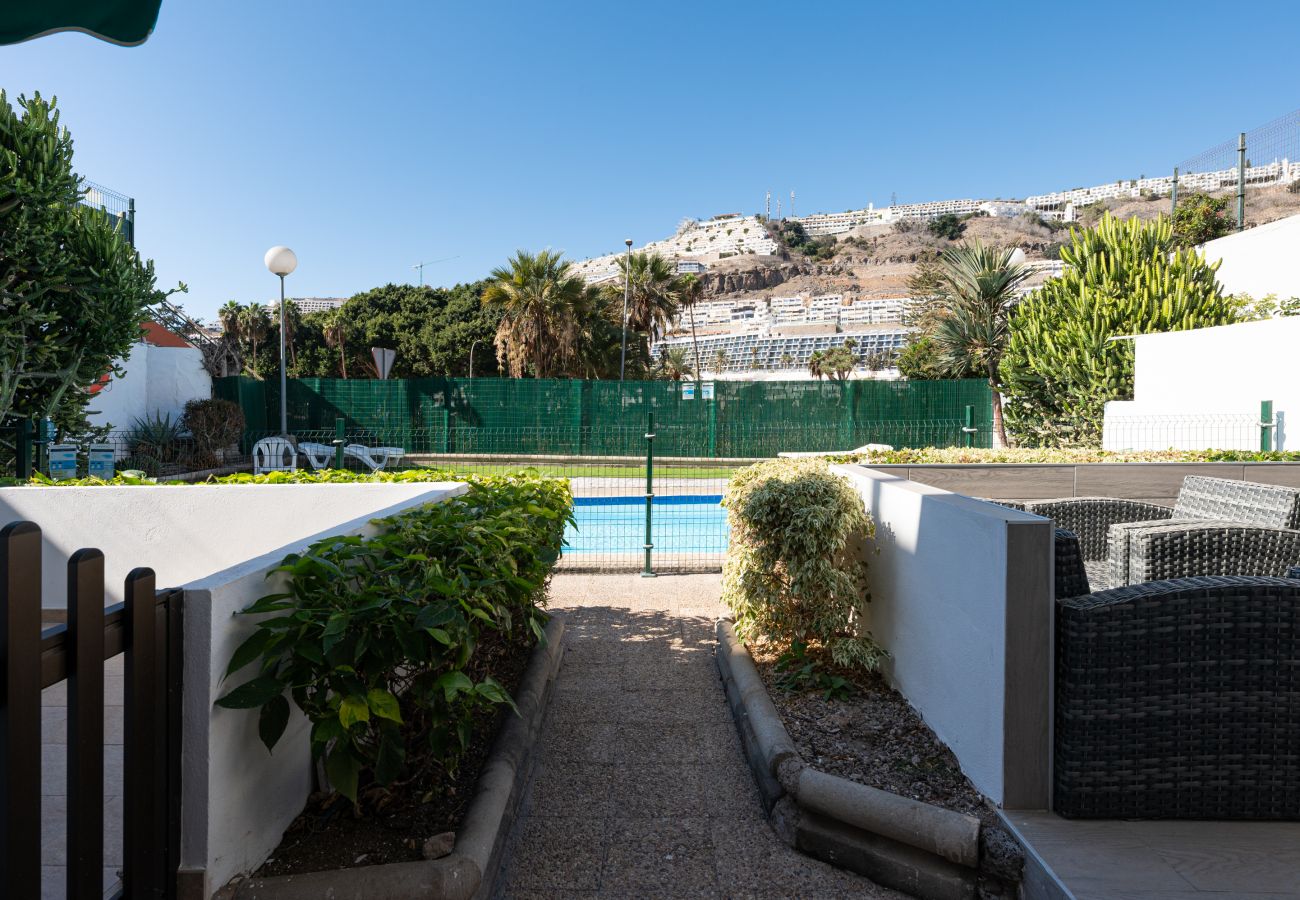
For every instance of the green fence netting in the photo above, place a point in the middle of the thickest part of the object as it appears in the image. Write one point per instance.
(724, 419)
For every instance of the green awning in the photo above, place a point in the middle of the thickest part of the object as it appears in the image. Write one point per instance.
(125, 22)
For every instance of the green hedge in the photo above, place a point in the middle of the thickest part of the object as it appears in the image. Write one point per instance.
(374, 638)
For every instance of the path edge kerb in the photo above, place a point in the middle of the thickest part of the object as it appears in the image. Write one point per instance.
(859, 816)
(469, 872)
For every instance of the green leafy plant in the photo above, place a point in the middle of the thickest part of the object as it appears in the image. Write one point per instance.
(1200, 218)
(798, 670)
(374, 638)
(1121, 278)
(154, 442)
(792, 571)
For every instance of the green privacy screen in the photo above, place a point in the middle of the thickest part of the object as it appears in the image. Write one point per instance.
(606, 418)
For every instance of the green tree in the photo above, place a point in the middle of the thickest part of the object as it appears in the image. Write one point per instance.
(254, 326)
(981, 284)
(540, 300)
(690, 291)
(652, 293)
(1120, 278)
(719, 359)
(292, 323)
(675, 364)
(1200, 218)
(918, 361)
(947, 226)
(73, 292)
(334, 328)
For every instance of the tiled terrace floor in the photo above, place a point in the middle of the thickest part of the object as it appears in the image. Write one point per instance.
(1167, 860)
(640, 788)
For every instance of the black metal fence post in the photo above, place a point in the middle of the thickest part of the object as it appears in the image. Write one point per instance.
(339, 441)
(968, 430)
(139, 765)
(23, 449)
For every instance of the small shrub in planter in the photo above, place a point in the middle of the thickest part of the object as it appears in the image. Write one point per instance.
(375, 638)
(214, 425)
(791, 575)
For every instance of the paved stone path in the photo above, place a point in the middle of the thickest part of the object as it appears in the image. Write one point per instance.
(640, 787)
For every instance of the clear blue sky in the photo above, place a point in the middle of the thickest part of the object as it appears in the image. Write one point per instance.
(370, 136)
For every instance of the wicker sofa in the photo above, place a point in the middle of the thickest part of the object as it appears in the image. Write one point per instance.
(1179, 699)
(1217, 527)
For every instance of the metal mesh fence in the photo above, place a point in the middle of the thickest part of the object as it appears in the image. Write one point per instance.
(117, 207)
(601, 418)
(657, 494)
(1263, 157)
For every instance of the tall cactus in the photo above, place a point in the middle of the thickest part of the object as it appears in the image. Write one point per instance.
(1121, 278)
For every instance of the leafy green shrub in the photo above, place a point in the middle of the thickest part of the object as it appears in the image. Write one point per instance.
(154, 443)
(1120, 278)
(214, 425)
(374, 639)
(791, 574)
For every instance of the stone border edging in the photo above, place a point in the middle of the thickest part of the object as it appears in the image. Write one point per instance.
(898, 842)
(470, 870)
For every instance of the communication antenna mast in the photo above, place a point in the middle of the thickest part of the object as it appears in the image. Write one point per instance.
(893, 198)
(792, 204)
(767, 206)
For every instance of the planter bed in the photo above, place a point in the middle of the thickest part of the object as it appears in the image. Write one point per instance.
(330, 852)
(863, 783)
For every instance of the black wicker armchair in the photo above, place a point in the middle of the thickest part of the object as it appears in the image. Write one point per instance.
(1218, 527)
(1179, 699)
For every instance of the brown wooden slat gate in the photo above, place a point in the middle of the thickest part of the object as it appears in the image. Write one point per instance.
(146, 627)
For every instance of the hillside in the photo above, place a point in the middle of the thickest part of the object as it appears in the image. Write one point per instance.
(874, 261)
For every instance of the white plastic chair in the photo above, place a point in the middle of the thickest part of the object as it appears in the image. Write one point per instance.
(375, 458)
(274, 454)
(321, 456)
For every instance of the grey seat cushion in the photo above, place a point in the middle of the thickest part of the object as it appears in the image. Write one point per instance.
(1247, 502)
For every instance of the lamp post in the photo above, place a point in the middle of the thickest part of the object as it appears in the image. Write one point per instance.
(627, 290)
(471, 356)
(282, 261)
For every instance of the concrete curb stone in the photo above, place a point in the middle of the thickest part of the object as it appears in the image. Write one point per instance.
(896, 841)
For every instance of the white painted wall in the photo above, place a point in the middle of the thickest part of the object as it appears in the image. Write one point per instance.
(219, 542)
(158, 381)
(1202, 389)
(1259, 261)
(939, 571)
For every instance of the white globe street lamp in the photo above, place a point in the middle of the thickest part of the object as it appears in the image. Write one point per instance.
(282, 261)
(1017, 257)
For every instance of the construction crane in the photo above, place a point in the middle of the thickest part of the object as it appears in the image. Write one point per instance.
(420, 266)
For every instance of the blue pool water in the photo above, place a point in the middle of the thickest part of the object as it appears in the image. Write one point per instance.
(693, 524)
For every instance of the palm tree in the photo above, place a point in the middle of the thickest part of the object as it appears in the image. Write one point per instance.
(652, 292)
(690, 291)
(675, 364)
(981, 285)
(334, 328)
(541, 301)
(229, 315)
(815, 364)
(787, 360)
(719, 359)
(254, 324)
(292, 319)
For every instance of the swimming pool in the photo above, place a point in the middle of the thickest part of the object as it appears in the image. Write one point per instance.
(690, 526)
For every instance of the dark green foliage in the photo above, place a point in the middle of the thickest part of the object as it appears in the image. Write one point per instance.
(919, 361)
(1120, 278)
(1200, 218)
(372, 637)
(799, 670)
(791, 235)
(73, 293)
(947, 226)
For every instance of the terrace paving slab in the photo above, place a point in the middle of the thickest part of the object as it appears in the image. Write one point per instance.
(640, 787)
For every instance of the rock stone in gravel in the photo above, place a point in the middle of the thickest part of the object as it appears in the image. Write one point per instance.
(439, 845)
(1000, 854)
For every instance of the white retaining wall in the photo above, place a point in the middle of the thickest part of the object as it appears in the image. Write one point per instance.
(219, 542)
(1201, 389)
(962, 601)
(1259, 261)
